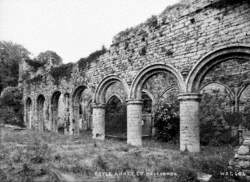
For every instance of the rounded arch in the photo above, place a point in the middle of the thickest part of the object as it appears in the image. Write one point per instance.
(54, 109)
(207, 62)
(55, 96)
(40, 111)
(146, 73)
(99, 96)
(76, 95)
(81, 108)
(28, 101)
(28, 112)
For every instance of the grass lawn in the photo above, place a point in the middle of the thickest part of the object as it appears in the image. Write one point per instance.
(27, 155)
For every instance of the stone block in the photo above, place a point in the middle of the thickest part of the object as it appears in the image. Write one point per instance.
(243, 150)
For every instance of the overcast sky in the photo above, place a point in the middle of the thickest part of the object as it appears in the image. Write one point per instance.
(72, 28)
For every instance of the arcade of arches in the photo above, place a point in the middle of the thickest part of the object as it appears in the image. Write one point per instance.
(116, 109)
(194, 53)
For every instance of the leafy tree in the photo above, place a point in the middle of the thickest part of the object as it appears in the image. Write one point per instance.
(11, 55)
(45, 57)
(45, 60)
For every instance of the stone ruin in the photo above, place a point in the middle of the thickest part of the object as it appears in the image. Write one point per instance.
(191, 47)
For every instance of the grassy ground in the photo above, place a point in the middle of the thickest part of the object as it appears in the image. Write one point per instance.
(27, 155)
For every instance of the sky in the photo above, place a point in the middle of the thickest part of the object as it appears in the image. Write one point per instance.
(72, 28)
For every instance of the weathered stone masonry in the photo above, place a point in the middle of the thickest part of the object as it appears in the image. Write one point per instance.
(186, 41)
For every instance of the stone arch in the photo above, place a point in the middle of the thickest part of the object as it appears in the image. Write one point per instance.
(146, 73)
(115, 117)
(105, 88)
(99, 97)
(65, 127)
(209, 61)
(28, 112)
(54, 110)
(81, 105)
(244, 98)
(229, 90)
(113, 95)
(41, 112)
(76, 103)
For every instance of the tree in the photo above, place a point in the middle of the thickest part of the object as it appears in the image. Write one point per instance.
(45, 57)
(11, 54)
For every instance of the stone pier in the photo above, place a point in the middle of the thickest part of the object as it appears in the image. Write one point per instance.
(189, 122)
(99, 122)
(134, 122)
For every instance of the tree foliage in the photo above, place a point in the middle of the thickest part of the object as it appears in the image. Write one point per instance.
(11, 55)
(167, 121)
(44, 57)
(216, 122)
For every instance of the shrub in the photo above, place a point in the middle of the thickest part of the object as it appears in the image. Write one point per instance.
(167, 122)
(11, 106)
(152, 22)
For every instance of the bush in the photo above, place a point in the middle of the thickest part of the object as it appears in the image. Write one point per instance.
(167, 122)
(216, 122)
(11, 106)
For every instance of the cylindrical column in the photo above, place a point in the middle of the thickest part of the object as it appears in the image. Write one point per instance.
(98, 122)
(189, 122)
(134, 122)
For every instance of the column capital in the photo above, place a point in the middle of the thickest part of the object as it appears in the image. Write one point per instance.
(189, 96)
(98, 106)
(134, 102)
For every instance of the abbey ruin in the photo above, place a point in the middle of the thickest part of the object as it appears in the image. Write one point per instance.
(190, 48)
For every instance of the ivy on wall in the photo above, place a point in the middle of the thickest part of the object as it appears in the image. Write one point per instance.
(36, 79)
(60, 72)
(84, 63)
(34, 63)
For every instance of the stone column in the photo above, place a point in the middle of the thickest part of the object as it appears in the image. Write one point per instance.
(99, 122)
(134, 122)
(189, 122)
